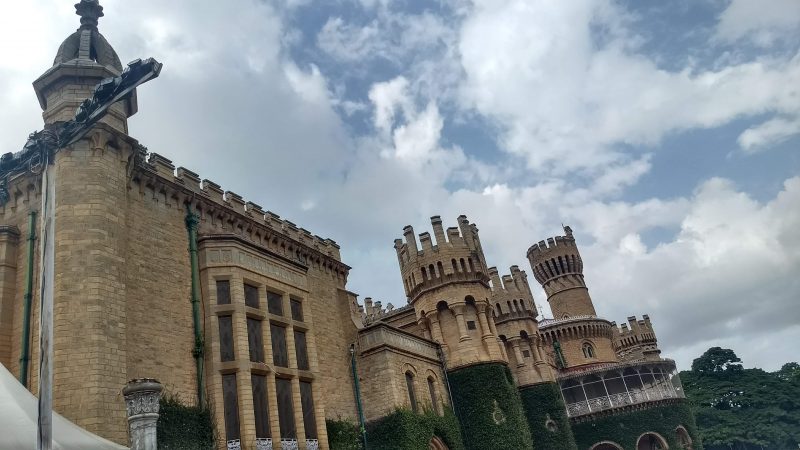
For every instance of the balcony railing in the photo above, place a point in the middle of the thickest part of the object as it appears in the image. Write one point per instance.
(263, 444)
(621, 399)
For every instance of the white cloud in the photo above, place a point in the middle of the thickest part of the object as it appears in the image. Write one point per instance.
(762, 21)
(769, 133)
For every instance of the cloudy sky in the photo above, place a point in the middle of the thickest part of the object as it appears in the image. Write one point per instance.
(667, 134)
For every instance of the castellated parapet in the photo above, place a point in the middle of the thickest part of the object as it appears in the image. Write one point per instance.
(514, 314)
(448, 286)
(636, 340)
(558, 267)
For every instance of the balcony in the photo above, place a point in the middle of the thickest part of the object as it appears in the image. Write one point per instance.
(619, 385)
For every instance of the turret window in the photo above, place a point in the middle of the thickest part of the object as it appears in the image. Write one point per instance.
(588, 350)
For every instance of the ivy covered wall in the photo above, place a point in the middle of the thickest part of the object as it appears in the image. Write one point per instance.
(407, 430)
(488, 405)
(625, 429)
(182, 427)
(547, 417)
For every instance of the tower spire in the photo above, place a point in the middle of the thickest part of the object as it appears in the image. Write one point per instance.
(90, 11)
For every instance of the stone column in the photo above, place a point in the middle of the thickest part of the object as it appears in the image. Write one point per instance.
(458, 310)
(141, 399)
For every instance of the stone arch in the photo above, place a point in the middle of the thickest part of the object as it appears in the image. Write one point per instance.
(588, 349)
(410, 376)
(683, 438)
(651, 441)
(436, 443)
(606, 445)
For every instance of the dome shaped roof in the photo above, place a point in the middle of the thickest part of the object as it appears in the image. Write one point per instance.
(87, 43)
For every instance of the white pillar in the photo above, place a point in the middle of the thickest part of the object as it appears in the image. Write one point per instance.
(141, 400)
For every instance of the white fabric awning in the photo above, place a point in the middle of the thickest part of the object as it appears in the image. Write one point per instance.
(18, 418)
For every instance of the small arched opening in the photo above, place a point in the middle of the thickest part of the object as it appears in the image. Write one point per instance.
(683, 438)
(588, 350)
(606, 445)
(412, 393)
(651, 441)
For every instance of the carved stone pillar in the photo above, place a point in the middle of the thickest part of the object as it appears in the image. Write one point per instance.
(458, 310)
(517, 353)
(141, 400)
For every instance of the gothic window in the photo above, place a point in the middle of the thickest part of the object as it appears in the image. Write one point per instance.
(230, 402)
(223, 292)
(463, 265)
(432, 391)
(424, 274)
(588, 350)
(412, 394)
(455, 266)
(441, 268)
(471, 267)
(307, 402)
(297, 309)
(283, 391)
(255, 340)
(301, 350)
(275, 303)
(260, 408)
(226, 338)
(280, 355)
(251, 296)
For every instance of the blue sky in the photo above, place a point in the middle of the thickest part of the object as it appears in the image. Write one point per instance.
(667, 134)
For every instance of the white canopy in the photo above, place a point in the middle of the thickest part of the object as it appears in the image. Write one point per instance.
(18, 417)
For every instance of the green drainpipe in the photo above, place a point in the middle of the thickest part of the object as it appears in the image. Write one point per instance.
(26, 308)
(357, 388)
(192, 220)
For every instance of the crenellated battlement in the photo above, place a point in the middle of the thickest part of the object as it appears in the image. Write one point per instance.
(454, 254)
(635, 339)
(557, 257)
(155, 177)
(511, 294)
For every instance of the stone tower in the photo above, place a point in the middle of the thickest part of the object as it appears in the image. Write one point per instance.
(558, 267)
(91, 184)
(448, 285)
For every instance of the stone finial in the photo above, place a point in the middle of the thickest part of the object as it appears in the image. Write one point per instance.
(90, 11)
(142, 397)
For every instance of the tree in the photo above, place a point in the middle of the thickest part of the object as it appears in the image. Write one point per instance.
(743, 409)
(716, 360)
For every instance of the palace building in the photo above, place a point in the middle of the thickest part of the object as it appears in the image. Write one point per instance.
(162, 274)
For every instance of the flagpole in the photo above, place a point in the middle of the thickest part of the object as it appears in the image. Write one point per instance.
(44, 439)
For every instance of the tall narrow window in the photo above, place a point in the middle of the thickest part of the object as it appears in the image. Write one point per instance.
(307, 401)
(301, 350)
(275, 303)
(412, 395)
(223, 292)
(251, 296)
(226, 338)
(297, 309)
(283, 390)
(255, 340)
(432, 391)
(280, 355)
(230, 402)
(260, 408)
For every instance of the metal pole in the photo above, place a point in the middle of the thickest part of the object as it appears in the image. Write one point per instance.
(357, 388)
(24, 358)
(44, 439)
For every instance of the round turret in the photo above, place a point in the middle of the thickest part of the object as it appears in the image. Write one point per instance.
(448, 285)
(558, 267)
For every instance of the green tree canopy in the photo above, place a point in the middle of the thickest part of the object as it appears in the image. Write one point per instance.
(743, 409)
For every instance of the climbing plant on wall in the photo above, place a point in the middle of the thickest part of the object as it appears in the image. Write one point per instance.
(407, 430)
(183, 427)
(547, 417)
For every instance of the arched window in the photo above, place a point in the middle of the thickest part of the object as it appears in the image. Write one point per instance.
(431, 271)
(424, 274)
(455, 266)
(516, 305)
(651, 441)
(463, 265)
(499, 309)
(471, 267)
(440, 266)
(432, 392)
(412, 394)
(588, 350)
(684, 440)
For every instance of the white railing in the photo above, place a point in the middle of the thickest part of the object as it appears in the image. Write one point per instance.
(312, 444)
(263, 443)
(234, 444)
(289, 444)
(617, 400)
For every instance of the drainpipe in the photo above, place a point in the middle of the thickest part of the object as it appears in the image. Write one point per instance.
(357, 388)
(26, 308)
(442, 360)
(192, 220)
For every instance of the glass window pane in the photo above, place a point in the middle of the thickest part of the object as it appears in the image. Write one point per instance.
(297, 310)
(251, 296)
(260, 408)
(230, 400)
(226, 338)
(275, 303)
(301, 350)
(280, 356)
(283, 389)
(223, 292)
(307, 400)
(255, 340)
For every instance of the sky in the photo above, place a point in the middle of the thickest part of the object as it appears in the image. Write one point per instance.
(666, 134)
